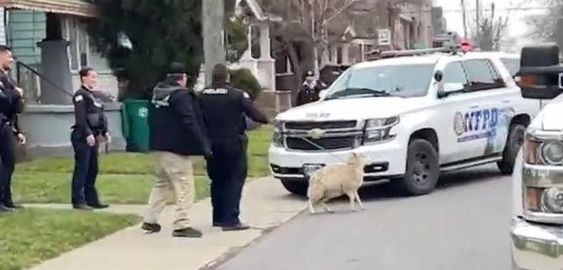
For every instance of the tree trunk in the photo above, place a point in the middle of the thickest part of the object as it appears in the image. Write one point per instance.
(316, 59)
(296, 67)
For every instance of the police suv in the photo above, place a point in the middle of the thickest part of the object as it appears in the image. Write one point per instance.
(414, 116)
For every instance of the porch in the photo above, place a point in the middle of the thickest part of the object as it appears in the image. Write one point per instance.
(50, 42)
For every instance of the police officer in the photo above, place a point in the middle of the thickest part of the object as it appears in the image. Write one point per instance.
(88, 132)
(224, 109)
(177, 133)
(11, 104)
(310, 89)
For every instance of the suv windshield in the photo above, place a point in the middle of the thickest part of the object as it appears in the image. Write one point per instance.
(410, 80)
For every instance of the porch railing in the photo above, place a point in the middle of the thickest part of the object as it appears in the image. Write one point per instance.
(30, 80)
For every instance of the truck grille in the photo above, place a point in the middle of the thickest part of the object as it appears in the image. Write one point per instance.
(321, 125)
(330, 143)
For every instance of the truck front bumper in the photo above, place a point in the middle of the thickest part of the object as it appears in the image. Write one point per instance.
(387, 160)
(535, 246)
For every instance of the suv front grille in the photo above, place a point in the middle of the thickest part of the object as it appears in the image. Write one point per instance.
(321, 125)
(329, 143)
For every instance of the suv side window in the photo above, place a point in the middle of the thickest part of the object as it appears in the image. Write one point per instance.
(481, 75)
(453, 73)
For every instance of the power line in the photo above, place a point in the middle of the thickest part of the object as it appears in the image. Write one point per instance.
(484, 10)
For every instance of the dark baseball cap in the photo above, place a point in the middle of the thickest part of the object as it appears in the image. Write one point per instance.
(177, 68)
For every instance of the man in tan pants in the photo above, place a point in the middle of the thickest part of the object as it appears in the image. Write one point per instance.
(176, 134)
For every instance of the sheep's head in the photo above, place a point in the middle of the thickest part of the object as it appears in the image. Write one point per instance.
(358, 159)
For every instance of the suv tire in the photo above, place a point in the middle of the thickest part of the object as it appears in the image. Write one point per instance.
(296, 187)
(423, 169)
(514, 141)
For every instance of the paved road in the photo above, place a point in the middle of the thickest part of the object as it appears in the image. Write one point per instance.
(462, 225)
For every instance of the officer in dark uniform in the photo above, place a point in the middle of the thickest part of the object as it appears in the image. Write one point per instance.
(224, 109)
(11, 104)
(90, 129)
(310, 89)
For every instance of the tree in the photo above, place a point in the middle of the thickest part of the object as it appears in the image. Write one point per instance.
(160, 32)
(490, 33)
(549, 26)
(305, 26)
(304, 22)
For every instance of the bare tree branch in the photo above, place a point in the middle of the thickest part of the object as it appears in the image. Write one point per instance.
(346, 5)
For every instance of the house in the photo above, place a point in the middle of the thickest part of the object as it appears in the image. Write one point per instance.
(364, 26)
(50, 41)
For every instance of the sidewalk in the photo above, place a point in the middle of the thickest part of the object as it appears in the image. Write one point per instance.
(265, 205)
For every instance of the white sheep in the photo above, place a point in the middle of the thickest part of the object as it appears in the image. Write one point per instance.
(335, 180)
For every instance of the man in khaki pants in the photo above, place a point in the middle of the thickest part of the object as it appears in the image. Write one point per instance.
(176, 134)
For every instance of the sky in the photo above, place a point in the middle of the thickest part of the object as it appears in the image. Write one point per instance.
(517, 25)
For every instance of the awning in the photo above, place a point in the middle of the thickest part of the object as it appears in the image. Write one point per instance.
(70, 7)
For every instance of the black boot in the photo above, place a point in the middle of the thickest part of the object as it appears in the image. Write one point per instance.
(82, 206)
(4, 209)
(151, 227)
(98, 205)
(9, 202)
(187, 232)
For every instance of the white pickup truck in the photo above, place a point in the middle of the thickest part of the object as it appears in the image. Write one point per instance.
(537, 216)
(413, 116)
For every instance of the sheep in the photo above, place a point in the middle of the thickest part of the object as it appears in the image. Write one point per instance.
(335, 180)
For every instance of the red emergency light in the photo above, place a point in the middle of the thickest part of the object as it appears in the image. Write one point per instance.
(466, 46)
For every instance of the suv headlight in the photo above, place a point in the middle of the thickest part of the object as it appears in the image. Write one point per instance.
(277, 138)
(379, 129)
(542, 190)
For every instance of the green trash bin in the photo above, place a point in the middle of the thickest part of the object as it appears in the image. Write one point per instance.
(135, 114)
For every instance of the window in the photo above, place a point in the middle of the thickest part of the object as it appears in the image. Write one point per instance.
(512, 64)
(78, 51)
(481, 75)
(453, 73)
(389, 79)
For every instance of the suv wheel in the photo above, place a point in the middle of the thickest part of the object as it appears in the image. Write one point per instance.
(513, 143)
(423, 169)
(295, 187)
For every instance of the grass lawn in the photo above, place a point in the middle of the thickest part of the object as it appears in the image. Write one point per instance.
(31, 236)
(125, 178)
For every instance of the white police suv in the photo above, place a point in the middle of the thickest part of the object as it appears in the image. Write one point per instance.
(412, 116)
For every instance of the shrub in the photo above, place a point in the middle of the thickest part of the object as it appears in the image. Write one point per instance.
(245, 80)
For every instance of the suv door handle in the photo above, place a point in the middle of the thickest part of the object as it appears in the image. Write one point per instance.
(474, 107)
(506, 101)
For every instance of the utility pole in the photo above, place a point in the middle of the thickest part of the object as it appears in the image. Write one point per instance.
(477, 19)
(213, 18)
(464, 19)
(492, 12)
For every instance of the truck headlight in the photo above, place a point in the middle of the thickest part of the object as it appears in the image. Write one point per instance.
(552, 200)
(542, 149)
(541, 184)
(552, 152)
(379, 129)
(277, 138)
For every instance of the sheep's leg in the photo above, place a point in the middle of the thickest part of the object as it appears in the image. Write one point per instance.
(357, 197)
(352, 198)
(312, 207)
(323, 204)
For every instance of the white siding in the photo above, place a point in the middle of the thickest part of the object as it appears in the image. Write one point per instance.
(2, 25)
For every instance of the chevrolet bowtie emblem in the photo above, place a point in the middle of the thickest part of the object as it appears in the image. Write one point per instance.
(316, 133)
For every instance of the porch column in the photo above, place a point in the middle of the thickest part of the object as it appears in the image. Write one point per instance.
(346, 54)
(265, 47)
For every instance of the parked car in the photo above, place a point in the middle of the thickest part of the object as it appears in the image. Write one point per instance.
(414, 117)
(537, 216)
